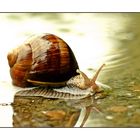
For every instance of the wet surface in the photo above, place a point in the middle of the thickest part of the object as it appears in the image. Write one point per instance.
(40, 112)
(111, 38)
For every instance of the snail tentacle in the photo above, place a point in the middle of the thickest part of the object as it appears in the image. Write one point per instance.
(97, 73)
(94, 86)
(90, 82)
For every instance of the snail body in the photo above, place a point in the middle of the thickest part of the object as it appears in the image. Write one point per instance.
(42, 60)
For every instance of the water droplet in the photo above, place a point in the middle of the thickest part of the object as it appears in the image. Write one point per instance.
(129, 94)
(109, 117)
(33, 101)
(130, 106)
(138, 97)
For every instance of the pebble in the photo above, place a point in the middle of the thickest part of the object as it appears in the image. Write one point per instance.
(136, 88)
(4, 104)
(109, 117)
(130, 106)
(55, 114)
(138, 97)
(118, 109)
(129, 94)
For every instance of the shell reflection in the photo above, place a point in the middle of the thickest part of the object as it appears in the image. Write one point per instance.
(35, 111)
(43, 112)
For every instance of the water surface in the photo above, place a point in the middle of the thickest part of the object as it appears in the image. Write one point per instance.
(95, 38)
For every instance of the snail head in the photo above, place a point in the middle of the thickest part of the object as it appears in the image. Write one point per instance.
(90, 83)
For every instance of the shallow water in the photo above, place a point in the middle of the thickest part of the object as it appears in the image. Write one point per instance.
(95, 38)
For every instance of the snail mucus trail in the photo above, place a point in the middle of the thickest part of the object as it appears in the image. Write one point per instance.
(48, 62)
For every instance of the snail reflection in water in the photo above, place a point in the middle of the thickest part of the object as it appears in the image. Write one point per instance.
(48, 62)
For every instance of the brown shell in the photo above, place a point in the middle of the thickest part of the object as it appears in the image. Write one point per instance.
(44, 58)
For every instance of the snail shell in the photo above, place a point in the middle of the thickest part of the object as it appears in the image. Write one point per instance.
(42, 60)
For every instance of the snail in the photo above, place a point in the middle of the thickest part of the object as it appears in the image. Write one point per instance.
(48, 62)
(42, 60)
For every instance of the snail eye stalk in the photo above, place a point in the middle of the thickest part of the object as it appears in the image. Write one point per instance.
(94, 86)
(97, 73)
(90, 83)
